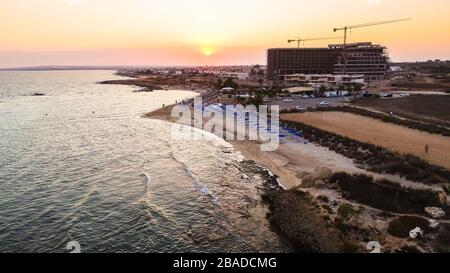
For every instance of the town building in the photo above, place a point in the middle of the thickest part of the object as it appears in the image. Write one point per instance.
(288, 61)
(327, 80)
(362, 59)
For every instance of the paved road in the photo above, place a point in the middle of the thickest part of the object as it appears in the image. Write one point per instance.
(305, 103)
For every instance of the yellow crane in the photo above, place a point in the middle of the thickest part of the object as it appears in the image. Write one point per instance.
(312, 39)
(346, 28)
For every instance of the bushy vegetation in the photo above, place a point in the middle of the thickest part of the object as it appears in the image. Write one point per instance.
(401, 226)
(346, 211)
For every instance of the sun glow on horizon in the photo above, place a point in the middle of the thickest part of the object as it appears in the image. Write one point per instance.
(161, 32)
(208, 50)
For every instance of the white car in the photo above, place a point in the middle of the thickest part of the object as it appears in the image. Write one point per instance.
(324, 104)
(301, 108)
(386, 95)
(405, 95)
(288, 100)
(312, 97)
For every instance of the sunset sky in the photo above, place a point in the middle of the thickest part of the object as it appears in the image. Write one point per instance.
(207, 32)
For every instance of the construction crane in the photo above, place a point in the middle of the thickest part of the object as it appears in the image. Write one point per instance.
(312, 39)
(346, 28)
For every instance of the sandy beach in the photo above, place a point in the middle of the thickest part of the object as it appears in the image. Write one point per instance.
(288, 161)
(291, 160)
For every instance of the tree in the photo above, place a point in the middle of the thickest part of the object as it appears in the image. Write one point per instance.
(322, 89)
(256, 101)
(219, 83)
(230, 83)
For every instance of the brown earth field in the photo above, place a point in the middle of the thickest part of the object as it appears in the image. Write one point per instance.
(390, 136)
(427, 108)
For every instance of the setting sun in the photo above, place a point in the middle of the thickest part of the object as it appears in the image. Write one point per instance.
(177, 32)
(208, 50)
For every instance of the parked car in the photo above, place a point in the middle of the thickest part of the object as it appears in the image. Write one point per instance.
(312, 97)
(405, 95)
(324, 104)
(386, 95)
(287, 100)
(345, 100)
(305, 97)
(301, 108)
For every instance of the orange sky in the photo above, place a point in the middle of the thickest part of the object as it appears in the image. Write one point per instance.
(207, 32)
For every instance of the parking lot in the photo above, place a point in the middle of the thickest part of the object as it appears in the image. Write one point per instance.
(305, 103)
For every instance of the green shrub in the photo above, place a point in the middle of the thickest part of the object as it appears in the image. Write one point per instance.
(446, 188)
(346, 211)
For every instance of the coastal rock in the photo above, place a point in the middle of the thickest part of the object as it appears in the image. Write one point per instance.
(443, 199)
(319, 184)
(434, 212)
(416, 233)
(434, 225)
(214, 237)
(322, 173)
(334, 204)
(308, 181)
(295, 215)
(302, 175)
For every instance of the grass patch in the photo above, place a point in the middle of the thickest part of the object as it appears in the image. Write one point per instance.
(401, 226)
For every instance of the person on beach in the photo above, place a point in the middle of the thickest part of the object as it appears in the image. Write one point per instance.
(427, 148)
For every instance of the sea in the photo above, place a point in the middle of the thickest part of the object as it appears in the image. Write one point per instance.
(80, 164)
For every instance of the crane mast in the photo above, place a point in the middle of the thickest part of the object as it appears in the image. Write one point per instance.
(346, 28)
(299, 41)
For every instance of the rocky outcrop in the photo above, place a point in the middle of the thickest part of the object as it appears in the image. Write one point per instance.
(296, 216)
(435, 212)
(322, 173)
(316, 179)
(443, 199)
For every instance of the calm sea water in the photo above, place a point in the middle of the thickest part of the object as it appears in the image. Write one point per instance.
(71, 168)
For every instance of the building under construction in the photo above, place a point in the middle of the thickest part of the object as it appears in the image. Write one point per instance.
(361, 58)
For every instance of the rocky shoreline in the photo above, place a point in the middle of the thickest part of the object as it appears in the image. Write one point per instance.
(387, 215)
(134, 82)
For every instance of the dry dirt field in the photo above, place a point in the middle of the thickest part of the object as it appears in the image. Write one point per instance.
(425, 108)
(368, 130)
